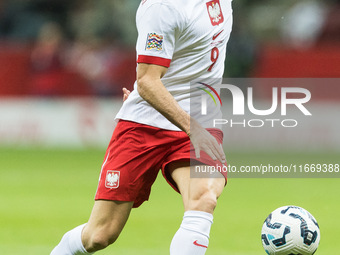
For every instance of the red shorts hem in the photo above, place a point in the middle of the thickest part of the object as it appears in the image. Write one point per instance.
(134, 157)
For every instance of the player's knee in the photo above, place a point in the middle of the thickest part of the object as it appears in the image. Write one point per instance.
(204, 200)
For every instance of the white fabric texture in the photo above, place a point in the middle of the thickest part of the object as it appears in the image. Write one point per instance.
(181, 32)
(193, 234)
(71, 243)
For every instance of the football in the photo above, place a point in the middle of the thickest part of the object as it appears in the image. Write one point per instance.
(290, 230)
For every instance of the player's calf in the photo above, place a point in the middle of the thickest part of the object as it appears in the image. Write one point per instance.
(200, 198)
(106, 222)
(98, 239)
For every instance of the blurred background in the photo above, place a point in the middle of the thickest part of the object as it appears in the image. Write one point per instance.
(86, 47)
(66, 62)
(66, 48)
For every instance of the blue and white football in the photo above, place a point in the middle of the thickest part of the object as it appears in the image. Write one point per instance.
(290, 230)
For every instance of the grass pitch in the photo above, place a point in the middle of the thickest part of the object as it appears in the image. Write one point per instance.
(44, 193)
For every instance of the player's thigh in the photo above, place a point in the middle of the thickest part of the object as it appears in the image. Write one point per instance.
(107, 220)
(198, 193)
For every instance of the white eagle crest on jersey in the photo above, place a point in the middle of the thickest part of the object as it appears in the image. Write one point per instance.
(215, 12)
(112, 179)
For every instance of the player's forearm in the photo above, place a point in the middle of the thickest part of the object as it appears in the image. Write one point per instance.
(154, 92)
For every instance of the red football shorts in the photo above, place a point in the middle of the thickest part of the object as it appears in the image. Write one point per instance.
(135, 155)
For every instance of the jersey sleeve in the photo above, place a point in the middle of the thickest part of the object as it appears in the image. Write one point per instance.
(158, 26)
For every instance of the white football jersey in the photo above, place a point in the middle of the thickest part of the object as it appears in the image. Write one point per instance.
(189, 37)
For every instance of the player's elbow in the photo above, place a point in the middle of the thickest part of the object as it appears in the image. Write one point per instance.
(149, 78)
(143, 85)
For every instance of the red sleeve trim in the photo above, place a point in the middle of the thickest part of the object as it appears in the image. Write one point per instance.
(154, 60)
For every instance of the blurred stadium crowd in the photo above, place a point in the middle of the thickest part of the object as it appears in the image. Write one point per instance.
(86, 47)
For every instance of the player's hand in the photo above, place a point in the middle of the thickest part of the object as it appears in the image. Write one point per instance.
(126, 94)
(202, 140)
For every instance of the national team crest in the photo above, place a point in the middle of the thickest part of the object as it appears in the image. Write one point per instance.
(215, 12)
(154, 42)
(112, 179)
